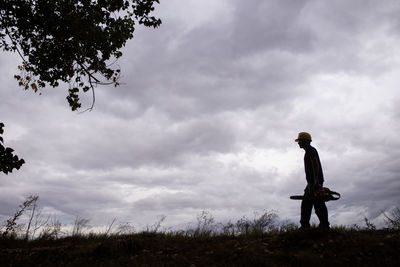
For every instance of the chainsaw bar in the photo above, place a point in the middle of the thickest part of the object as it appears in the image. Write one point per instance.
(297, 197)
(325, 194)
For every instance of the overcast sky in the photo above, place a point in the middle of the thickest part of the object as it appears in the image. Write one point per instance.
(207, 114)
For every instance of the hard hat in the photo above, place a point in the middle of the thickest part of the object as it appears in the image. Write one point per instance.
(304, 136)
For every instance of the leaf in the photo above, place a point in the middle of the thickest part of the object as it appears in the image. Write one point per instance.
(9, 150)
(8, 161)
(34, 87)
(71, 41)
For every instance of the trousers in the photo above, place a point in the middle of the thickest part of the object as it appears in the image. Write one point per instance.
(320, 209)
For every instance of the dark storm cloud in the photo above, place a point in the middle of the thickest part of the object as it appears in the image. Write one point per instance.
(221, 66)
(260, 57)
(270, 25)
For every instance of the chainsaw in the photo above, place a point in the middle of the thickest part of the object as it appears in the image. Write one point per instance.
(323, 194)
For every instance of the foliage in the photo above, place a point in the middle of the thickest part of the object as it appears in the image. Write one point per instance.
(205, 225)
(288, 226)
(11, 224)
(8, 161)
(266, 222)
(260, 224)
(80, 225)
(369, 225)
(70, 41)
(51, 230)
(296, 248)
(124, 228)
(155, 227)
(393, 219)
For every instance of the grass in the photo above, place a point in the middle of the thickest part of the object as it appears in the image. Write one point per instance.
(260, 241)
(340, 246)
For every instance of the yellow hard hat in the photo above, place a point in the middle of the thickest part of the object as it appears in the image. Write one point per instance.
(304, 136)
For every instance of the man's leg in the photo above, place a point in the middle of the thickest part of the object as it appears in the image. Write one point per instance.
(306, 208)
(322, 212)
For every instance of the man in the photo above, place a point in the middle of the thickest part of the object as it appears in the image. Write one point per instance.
(315, 180)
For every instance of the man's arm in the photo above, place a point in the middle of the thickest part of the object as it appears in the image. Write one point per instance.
(315, 167)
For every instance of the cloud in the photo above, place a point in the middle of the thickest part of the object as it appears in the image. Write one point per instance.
(207, 112)
(271, 25)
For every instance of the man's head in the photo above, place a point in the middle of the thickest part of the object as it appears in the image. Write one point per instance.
(303, 139)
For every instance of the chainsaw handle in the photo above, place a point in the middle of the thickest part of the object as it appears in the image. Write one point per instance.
(334, 195)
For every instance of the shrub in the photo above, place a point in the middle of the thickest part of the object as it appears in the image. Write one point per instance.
(11, 226)
(393, 219)
(205, 225)
(260, 224)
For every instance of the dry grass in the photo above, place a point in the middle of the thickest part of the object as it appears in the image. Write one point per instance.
(339, 247)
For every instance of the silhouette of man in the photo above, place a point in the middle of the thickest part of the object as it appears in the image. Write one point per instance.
(315, 180)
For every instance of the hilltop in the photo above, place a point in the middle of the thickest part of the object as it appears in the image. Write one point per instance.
(313, 247)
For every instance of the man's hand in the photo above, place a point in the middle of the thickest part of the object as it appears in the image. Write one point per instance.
(316, 189)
